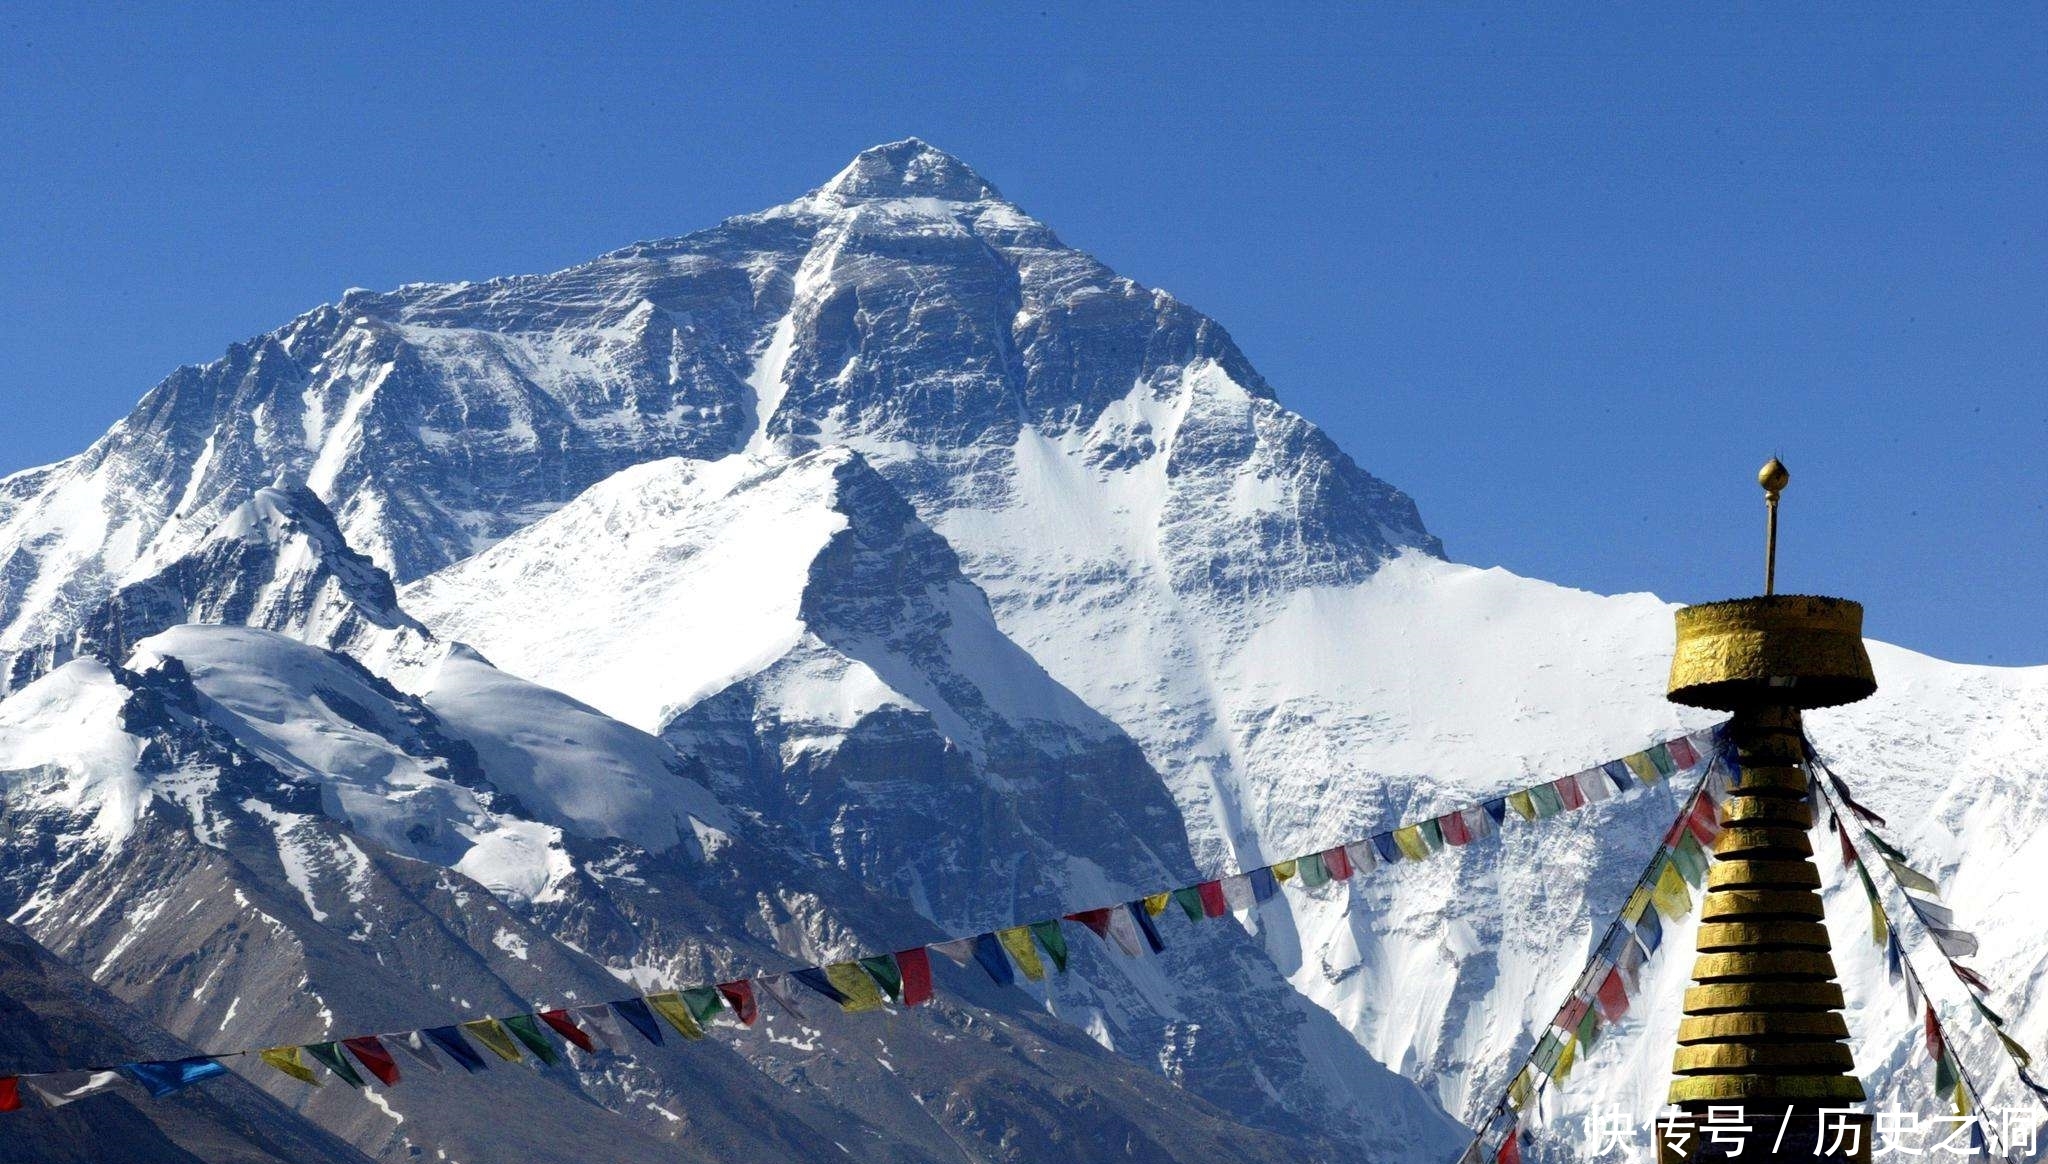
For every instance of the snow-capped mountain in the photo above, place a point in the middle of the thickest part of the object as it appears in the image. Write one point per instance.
(880, 549)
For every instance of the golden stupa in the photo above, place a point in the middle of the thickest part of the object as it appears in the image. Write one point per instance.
(1763, 1028)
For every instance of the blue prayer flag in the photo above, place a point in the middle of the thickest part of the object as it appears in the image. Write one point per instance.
(163, 1077)
(450, 1039)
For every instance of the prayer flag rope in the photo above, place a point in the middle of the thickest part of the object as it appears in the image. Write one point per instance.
(1951, 1082)
(1611, 976)
(904, 977)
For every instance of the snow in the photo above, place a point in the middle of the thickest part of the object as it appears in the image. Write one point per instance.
(62, 744)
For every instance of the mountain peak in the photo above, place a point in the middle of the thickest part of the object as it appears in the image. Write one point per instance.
(908, 169)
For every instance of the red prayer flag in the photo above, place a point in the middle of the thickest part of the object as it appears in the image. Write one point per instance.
(567, 1028)
(1682, 752)
(1848, 849)
(1338, 863)
(1568, 790)
(1213, 902)
(371, 1054)
(740, 996)
(10, 1094)
(1094, 919)
(1613, 997)
(1454, 830)
(1511, 1148)
(916, 967)
(1934, 1044)
(1705, 822)
(1970, 976)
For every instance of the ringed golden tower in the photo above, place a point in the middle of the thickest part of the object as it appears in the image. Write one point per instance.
(1763, 1027)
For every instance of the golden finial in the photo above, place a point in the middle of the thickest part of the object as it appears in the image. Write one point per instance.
(1773, 477)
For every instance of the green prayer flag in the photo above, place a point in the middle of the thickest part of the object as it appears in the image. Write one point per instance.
(1054, 942)
(526, 1028)
(1912, 878)
(1691, 859)
(1313, 872)
(2018, 1052)
(1945, 1077)
(330, 1057)
(1190, 899)
(1546, 800)
(883, 969)
(704, 1003)
(1588, 1033)
(1432, 834)
(1660, 759)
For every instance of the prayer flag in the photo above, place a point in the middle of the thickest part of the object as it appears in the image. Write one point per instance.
(704, 1002)
(674, 1011)
(1497, 808)
(1409, 838)
(329, 1056)
(374, 1058)
(1337, 862)
(1145, 926)
(1479, 823)
(1263, 884)
(1613, 997)
(165, 1077)
(526, 1029)
(1053, 940)
(1284, 869)
(1388, 847)
(1629, 959)
(776, 986)
(1910, 877)
(1432, 835)
(1155, 903)
(1546, 800)
(450, 1040)
(289, 1061)
(1650, 931)
(1619, 775)
(913, 964)
(1681, 752)
(960, 950)
(1189, 898)
(1314, 874)
(2018, 1053)
(1953, 943)
(1704, 821)
(1637, 905)
(1589, 1029)
(1936, 1047)
(1452, 825)
(1510, 1150)
(1210, 895)
(1568, 1018)
(1673, 898)
(1945, 1075)
(1973, 980)
(564, 1025)
(10, 1093)
(490, 1034)
(415, 1045)
(1566, 1058)
(1237, 893)
(1547, 1051)
(1096, 920)
(1124, 932)
(1641, 766)
(1690, 859)
(739, 993)
(815, 978)
(640, 1017)
(1523, 804)
(1594, 785)
(854, 981)
(1017, 941)
(1520, 1089)
(1569, 794)
(61, 1087)
(1660, 759)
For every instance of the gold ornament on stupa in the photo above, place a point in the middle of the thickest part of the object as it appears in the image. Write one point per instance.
(1763, 1027)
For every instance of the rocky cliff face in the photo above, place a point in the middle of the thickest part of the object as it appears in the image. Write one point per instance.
(890, 566)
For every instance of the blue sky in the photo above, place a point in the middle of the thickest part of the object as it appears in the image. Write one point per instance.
(1567, 279)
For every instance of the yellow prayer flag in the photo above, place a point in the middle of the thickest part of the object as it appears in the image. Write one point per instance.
(670, 1005)
(1644, 767)
(1673, 899)
(1523, 806)
(1283, 870)
(1632, 910)
(1017, 940)
(1518, 1091)
(1409, 838)
(1155, 904)
(490, 1034)
(289, 1061)
(1565, 1059)
(855, 983)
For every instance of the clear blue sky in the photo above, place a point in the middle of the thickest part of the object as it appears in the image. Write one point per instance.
(1567, 280)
